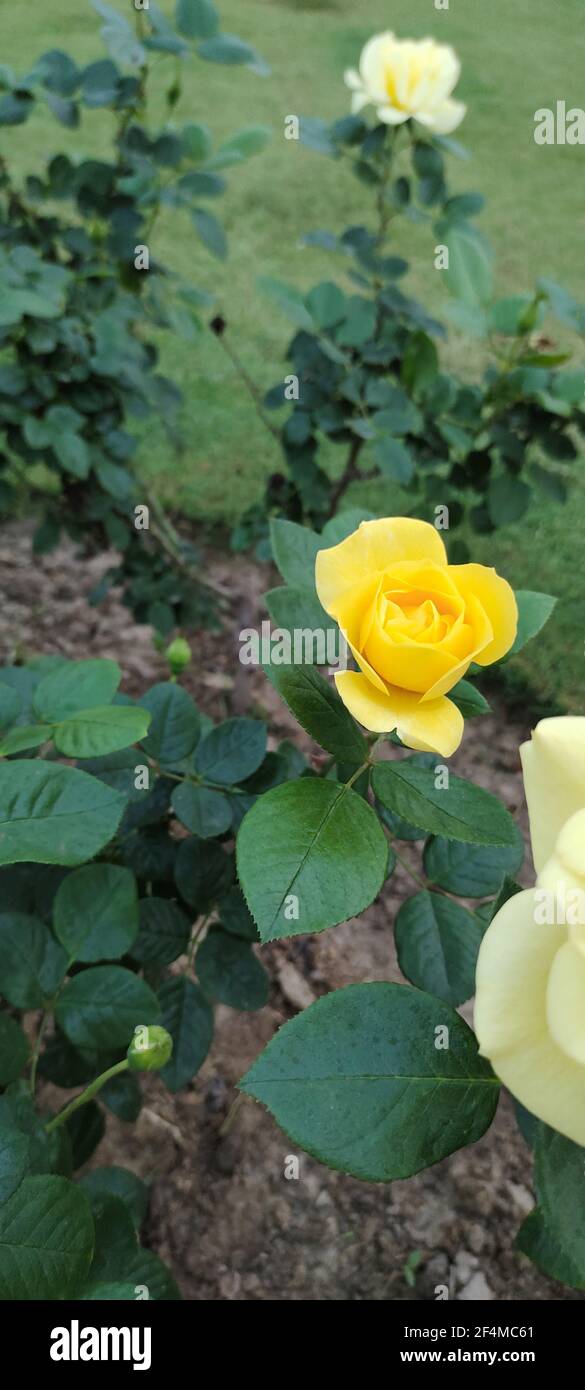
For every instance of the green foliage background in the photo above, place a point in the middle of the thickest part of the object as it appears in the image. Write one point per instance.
(514, 60)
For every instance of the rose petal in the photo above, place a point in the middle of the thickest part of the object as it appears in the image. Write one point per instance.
(432, 728)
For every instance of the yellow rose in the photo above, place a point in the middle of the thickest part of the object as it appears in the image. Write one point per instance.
(530, 1000)
(414, 623)
(406, 78)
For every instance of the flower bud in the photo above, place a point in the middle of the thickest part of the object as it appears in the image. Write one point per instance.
(178, 655)
(150, 1049)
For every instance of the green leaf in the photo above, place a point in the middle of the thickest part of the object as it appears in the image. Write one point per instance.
(394, 460)
(234, 916)
(508, 890)
(14, 1147)
(23, 737)
(298, 612)
(46, 1240)
(163, 933)
(95, 912)
(359, 324)
(64, 110)
(94, 732)
(114, 1293)
(535, 1240)
(534, 610)
(51, 814)
(15, 108)
(78, 685)
(310, 854)
(123, 1096)
(227, 49)
(460, 811)
(289, 300)
(73, 454)
(359, 1079)
(250, 141)
(14, 1050)
(507, 499)
(121, 1183)
(196, 19)
(320, 711)
(119, 1258)
(420, 364)
(559, 1173)
(202, 872)
(295, 549)
(469, 700)
(206, 813)
(471, 872)
(32, 965)
(438, 942)
(229, 972)
(469, 276)
(100, 1008)
(188, 1017)
(232, 751)
(342, 525)
(197, 141)
(175, 727)
(315, 134)
(85, 1130)
(326, 304)
(111, 16)
(9, 706)
(210, 232)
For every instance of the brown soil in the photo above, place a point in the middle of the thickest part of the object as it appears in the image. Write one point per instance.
(223, 1214)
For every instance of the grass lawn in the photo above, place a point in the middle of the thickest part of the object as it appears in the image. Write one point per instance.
(516, 58)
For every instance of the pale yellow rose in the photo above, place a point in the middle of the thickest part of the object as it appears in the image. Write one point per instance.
(530, 1000)
(406, 78)
(414, 624)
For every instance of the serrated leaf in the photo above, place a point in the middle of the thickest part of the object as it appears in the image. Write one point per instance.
(230, 973)
(100, 1008)
(32, 964)
(50, 814)
(188, 1017)
(14, 1147)
(206, 813)
(163, 933)
(46, 1240)
(459, 811)
(203, 872)
(320, 711)
(95, 913)
(310, 854)
(438, 942)
(295, 549)
(357, 1080)
(121, 1183)
(471, 871)
(468, 699)
(231, 751)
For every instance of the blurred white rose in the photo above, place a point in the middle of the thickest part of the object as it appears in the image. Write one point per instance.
(408, 78)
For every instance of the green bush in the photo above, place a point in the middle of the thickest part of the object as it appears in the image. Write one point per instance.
(364, 373)
(82, 294)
